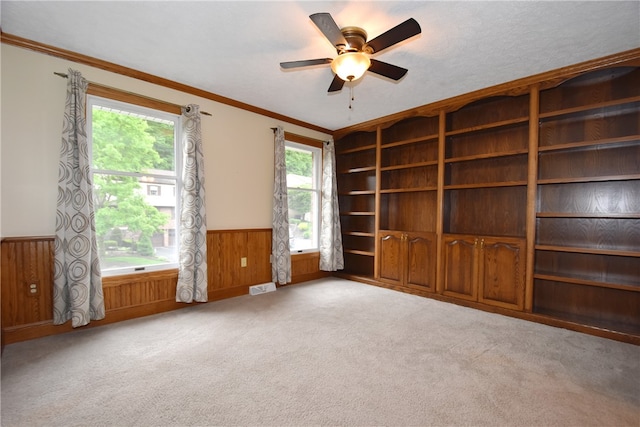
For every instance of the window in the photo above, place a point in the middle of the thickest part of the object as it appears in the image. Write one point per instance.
(304, 165)
(153, 190)
(135, 167)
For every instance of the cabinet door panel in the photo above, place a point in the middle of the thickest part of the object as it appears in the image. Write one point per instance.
(501, 275)
(421, 261)
(460, 267)
(391, 251)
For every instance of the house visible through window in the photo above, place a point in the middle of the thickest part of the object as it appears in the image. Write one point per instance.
(304, 165)
(153, 190)
(135, 169)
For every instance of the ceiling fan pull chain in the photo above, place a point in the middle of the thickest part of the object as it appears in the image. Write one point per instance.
(351, 98)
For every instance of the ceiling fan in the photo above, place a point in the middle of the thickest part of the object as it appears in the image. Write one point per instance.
(354, 50)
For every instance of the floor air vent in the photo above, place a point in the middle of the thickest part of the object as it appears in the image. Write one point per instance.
(262, 289)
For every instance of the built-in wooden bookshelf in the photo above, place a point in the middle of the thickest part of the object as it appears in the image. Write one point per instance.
(524, 201)
(408, 203)
(588, 216)
(356, 166)
(485, 184)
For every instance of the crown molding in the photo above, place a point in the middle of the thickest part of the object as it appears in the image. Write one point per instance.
(13, 40)
(516, 87)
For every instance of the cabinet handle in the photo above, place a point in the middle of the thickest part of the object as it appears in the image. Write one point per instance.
(475, 243)
(482, 244)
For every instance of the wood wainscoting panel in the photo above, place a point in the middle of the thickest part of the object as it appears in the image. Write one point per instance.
(28, 261)
(227, 248)
(133, 290)
(305, 267)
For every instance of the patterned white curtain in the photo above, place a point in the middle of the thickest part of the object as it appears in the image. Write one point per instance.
(77, 282)
(280, 253)
(331, 255)
(192, 273)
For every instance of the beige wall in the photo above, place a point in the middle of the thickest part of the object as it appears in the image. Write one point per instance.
(238, 146)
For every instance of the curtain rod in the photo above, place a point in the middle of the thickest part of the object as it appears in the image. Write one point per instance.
(300, 136)
(64, 75)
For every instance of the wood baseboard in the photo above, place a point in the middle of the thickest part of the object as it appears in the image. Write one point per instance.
(532, 317)
(46, 328)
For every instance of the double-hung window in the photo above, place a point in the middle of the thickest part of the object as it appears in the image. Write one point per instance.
(135, 166)
(304, 168)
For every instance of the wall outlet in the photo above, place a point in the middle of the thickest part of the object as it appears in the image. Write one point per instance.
(243, 261)
(32, 288)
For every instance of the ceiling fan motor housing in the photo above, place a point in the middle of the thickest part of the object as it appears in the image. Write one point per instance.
(356, 38)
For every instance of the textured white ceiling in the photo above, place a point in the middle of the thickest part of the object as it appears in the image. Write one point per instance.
(234, 48)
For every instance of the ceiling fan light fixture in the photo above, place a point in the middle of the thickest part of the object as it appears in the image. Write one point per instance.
(350, 66)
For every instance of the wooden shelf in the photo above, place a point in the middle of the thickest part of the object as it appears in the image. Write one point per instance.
(357, 170)
(357, 149)
(589, 179)
(583, 108)
(357, 193)
(358, 252)
(594, 251)
(586, 282)
(488, 126)
(427, 138)
(358, 233)
(584, 323)
(407, 190)
(554, 165)
(357, 213)
(584, 144)
(485, 185)
(409, 165)
(628, 215)
(486, 156)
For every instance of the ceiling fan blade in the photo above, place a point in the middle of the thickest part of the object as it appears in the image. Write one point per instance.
(305, 63)
(408, 28)
(336, 84)
(387, 70)
(329, 28)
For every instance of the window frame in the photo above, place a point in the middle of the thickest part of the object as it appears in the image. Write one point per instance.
(314, 146)
(125, 101)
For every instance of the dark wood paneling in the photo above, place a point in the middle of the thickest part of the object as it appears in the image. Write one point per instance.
(408, 153)
(500, 140)
(487, 211)
(409, 211)
(590, 233)
(484, 171)
(604, 85)
(592, 162)
(617, 197)
(489, 110)
(414, 127)
(607, 308)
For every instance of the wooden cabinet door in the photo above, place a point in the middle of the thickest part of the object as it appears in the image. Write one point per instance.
(421, 261)
(391, 250)
(502, 272)
(460, 266)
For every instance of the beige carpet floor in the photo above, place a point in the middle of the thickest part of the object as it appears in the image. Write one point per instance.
(327, 352)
